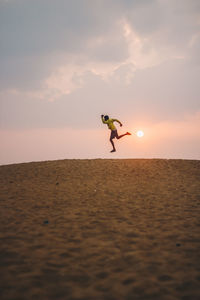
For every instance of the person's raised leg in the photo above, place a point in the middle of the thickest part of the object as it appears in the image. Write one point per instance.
(120, 136)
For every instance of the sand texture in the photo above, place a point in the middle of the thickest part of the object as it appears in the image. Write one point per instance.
(100, 229)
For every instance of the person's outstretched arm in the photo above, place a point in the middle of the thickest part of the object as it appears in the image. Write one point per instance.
(115, 120)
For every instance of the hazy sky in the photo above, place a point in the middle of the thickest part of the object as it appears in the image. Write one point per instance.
(64, 63)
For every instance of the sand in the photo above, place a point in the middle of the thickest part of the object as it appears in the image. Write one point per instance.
(100, 229)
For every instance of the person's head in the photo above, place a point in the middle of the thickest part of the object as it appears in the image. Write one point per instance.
(106, 118)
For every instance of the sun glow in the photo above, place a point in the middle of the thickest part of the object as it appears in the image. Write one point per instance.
(140, 133)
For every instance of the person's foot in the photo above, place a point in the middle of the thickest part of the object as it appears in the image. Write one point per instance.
(113, 150)
(128, 133)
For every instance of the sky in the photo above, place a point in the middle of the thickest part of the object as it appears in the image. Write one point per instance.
(64, 63)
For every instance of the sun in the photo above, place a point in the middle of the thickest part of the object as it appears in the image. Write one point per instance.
(140, 133)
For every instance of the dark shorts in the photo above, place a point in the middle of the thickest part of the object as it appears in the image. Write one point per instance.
(113, 134)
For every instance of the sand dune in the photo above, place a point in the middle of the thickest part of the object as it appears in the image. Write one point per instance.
(100, 229)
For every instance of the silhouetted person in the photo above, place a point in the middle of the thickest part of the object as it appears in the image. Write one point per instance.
(111, 126)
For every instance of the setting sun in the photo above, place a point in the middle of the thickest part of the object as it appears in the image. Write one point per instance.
(140, 133)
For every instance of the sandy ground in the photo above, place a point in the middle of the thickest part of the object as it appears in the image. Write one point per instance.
(100, 229)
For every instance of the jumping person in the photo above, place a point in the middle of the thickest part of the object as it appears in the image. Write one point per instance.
(111, 126)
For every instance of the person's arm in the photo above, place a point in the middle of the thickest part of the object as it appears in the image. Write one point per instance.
(102, 119)
(115, 120)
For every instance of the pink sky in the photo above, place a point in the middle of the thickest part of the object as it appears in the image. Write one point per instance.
(161, 140)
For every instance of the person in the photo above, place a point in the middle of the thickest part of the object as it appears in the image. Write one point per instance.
(114, 133)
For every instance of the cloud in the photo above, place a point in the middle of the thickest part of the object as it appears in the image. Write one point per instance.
(38, 38)
(64, 62)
